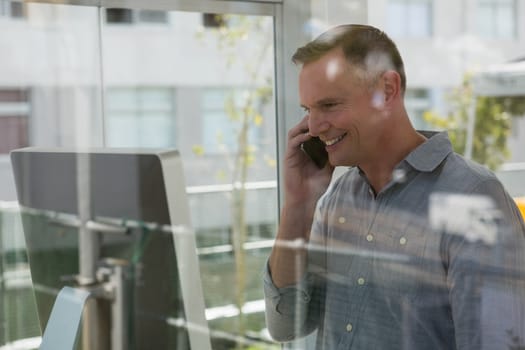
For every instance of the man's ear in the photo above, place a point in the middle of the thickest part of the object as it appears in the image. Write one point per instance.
(391, 85)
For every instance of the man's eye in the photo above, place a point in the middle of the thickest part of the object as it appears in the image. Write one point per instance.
(329, 105)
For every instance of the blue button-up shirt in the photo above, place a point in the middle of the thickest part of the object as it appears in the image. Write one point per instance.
(435, 260)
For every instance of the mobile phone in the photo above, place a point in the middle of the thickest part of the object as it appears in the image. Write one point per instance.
(315, 148)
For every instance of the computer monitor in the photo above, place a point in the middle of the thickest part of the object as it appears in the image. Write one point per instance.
(81, 209)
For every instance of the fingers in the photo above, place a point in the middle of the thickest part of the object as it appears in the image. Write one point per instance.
(299, 133)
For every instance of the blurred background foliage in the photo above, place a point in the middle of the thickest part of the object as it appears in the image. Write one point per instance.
(492, 126)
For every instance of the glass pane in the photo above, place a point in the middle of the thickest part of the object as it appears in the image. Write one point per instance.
(149, 119)
(505, 18)
(123, 130)
(196, 97)
(133, 92)
(486, 22)
(156, 131)
(219, 133)
(121, 99)
(213, 99)
(195, 80)
(369, 279)
(496, 19)
(49, 97)
(156, 99)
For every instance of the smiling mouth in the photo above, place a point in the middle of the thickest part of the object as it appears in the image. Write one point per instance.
(334, 140)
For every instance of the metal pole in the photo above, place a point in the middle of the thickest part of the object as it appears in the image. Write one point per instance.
(471, 122)
(3, 292)
(119, 307)
(88, 241)
(93, 334)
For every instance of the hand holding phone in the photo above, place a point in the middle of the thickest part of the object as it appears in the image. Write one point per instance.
(315, 148)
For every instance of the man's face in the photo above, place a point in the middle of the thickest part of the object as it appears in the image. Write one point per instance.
(344, 110)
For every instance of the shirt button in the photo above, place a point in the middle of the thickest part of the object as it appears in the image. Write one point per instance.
(342, 220)
(369, 238)
(349, 327)
(360, 281)
(402, 241)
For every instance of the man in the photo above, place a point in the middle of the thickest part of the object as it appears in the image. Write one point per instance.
(413, 247)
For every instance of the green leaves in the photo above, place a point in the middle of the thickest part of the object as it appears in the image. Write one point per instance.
(492, 126)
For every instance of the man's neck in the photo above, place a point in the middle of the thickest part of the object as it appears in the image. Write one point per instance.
(395, 148)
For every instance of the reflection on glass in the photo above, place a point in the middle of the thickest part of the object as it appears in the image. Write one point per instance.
(412, 245)
(186, 80)
(49, 95)
(207, 90)
(381, 277)
(113, 224)
(138, 78)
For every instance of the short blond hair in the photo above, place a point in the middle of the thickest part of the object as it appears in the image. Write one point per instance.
(364, 46)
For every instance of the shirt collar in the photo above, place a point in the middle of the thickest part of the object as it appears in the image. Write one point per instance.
(427, 156)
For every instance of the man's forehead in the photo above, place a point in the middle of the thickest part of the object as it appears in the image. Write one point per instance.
(313, 95)
(330, 65)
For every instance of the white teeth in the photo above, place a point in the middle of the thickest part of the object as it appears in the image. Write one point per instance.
(334, 141)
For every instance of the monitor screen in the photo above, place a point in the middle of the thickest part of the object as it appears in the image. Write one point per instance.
(83, 211)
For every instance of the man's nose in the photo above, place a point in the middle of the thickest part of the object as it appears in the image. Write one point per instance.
(317, 124)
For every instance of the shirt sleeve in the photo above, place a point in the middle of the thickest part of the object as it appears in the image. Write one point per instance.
(487, 280)
(287, 308)
(294, 311)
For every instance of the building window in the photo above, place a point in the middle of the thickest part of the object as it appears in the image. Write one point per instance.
(119, 16)
(152, 16)
(222, 121)
(497, 19)
(14, 116)
(140, 117)
(410, 18)
(13, 9)
(417, 102)
(213, 20)
(128, 16)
